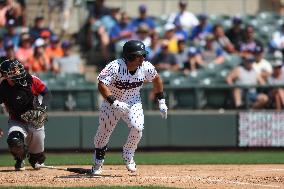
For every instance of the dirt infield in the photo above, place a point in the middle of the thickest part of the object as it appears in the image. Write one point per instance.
(180, 176)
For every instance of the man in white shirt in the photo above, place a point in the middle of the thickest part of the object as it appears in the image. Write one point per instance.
(187, 19)
(261, 65)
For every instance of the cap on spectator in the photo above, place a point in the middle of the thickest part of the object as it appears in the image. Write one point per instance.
(25, 37)
(202, 17)
(277, 63)
(39, 18)
(237, 20)
(9, 45)
(143, 28)
(249, 59)
(192, 51)
(169, 26)
(66, 44)
(54, 39)
(209, 37)
(10, 23)
(39, 42)
(142, 8)
(183, 2)
(45, 34)
(258, 49)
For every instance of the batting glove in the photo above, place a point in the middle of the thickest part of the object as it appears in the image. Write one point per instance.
(121, 106)
(163, 108)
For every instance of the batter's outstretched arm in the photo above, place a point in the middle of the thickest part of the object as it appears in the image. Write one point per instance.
(158, 89)
(158, 84)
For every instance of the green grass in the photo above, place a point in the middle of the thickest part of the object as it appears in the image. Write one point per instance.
(160, 158)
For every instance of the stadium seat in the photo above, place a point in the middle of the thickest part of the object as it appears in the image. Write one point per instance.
(186, 95)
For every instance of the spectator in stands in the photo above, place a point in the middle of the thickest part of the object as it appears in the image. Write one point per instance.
(180, 32)
(64, 7)
(3, 11)
(10, 51)
(54, 50)
(221, 39)
(155, 46)
(15, 11)
(25, 50)
(236, 33)
(200, 31)
(182, 53)
(2, 48)
(109, 21)
(170, 36)
(70, 62)
(211, 53)
(99, 9)
(277, 42)
(246, 75)
(97, 37)
(249, 43)
(165, 60)
(40, 61)
(45, 35)
(122, 30)
(277, 78)
(143, 34)
(193, 62)
(11, 33)
(38, 27)
(143, 18)
(187, 19)
(261, 65)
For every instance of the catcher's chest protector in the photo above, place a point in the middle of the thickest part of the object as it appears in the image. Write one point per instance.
(17, 99)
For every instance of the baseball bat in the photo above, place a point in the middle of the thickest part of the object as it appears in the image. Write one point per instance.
(70, 169)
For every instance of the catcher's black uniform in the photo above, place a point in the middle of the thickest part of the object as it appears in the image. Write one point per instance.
(19, 92)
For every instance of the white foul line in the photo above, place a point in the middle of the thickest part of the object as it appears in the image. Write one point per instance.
(213, 180)
(269, 170)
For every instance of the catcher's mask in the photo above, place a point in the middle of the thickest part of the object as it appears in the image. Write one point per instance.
(14, 70)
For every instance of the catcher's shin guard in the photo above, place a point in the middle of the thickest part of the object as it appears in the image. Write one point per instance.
(17, 145)
(36, 158)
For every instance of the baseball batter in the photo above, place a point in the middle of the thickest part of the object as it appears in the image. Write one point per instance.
(120, 83)
(19, 92)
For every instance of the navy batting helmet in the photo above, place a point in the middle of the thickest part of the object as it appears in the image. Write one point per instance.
(14, 70)
(133, 48)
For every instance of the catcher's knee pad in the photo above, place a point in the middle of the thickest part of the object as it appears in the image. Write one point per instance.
(100, 153)
(17, 145)
(36, 158)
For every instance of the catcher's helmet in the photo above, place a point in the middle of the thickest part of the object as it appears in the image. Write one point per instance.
(133, 48)
(14, 70)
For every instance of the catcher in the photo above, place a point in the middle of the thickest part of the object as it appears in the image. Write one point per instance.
(20, 91)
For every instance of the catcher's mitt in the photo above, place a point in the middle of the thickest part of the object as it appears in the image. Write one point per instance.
(36, 118)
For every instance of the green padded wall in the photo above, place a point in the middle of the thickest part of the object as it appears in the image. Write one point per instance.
(181, 129)
(3, 125)
(203, 130)
(62, 132)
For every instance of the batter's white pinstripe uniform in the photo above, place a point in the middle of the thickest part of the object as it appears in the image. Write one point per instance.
(125, 87)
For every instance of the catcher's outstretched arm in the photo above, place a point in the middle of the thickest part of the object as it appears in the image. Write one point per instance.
(46, 96)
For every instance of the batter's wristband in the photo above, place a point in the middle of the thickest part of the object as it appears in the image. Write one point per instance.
(110, 99)
(160, 95)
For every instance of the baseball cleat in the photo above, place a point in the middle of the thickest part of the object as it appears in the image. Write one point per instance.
(38, 165)
(20, 165)
(97, 169)
(131, 166)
